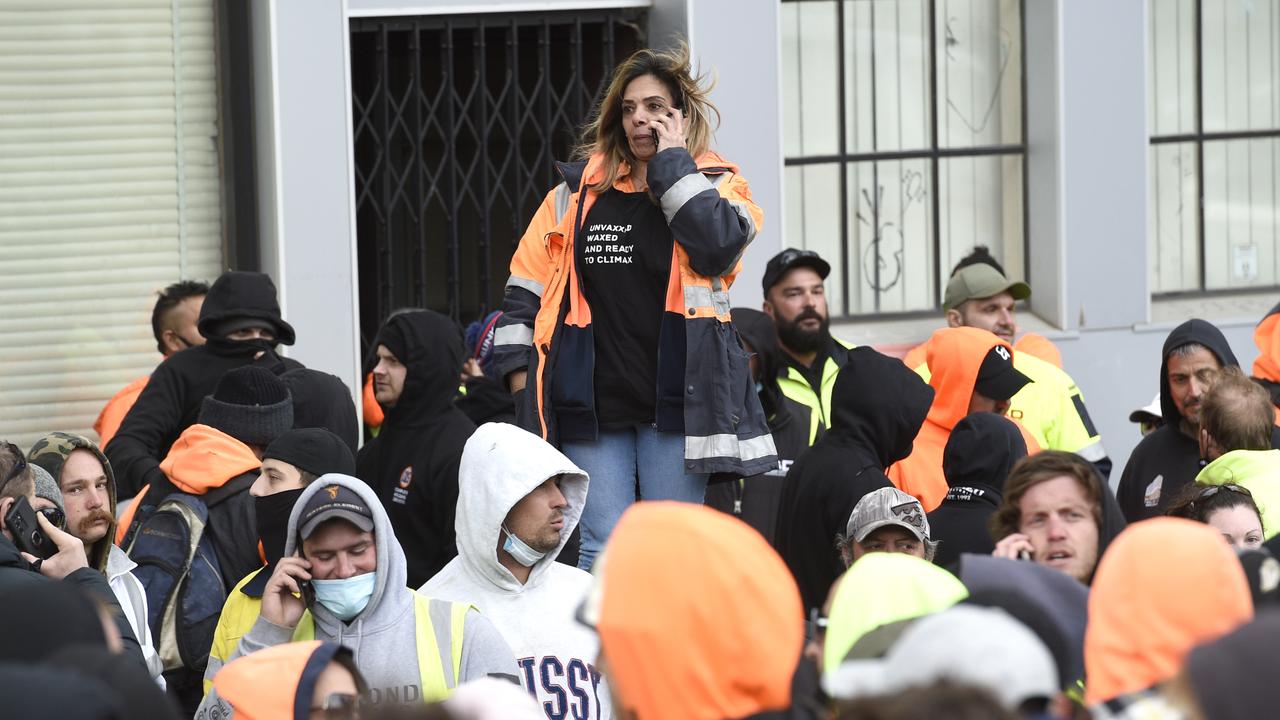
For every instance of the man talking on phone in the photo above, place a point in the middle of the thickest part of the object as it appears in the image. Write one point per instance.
(68, 562)
(342, 579)
(1056, 511)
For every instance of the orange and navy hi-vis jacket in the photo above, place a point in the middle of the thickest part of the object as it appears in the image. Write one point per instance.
(704, 384)
(954, 355)
(272, 684)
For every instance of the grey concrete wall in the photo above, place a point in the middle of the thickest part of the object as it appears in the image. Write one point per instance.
(303, 129)
(737, 43)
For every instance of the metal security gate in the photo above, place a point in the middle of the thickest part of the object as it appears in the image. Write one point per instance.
(458, 123)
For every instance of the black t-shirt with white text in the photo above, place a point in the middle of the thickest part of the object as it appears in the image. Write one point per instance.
(624, 256)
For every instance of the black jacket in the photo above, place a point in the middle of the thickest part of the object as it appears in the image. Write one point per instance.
(755, 500)
(1167, 460)
(17, 579)
(877, 408)
(413, 463)
(170, 402)
(983, 447)
(486, 400)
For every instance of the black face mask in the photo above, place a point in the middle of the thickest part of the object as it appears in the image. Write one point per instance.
(272, 515)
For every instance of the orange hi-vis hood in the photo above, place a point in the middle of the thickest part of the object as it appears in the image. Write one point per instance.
(954, 356)
(699, 618)
(1267, 337)
(272, 684)
(1164, 586)
(203, 458)
(1041, 347)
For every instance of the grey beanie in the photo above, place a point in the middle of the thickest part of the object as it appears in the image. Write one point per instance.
(250, 404)
(46, 486)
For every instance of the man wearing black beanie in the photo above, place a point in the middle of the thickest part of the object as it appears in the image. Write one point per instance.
(289, 464)
(240, 319)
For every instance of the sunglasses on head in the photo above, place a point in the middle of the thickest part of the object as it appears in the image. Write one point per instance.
(56, 517)
(339, 706)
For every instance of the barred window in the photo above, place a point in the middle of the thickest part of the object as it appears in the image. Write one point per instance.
(903, 129)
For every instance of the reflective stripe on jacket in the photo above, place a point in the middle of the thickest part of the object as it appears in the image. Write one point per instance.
(439, 677)
(704, 384)
(794, 385)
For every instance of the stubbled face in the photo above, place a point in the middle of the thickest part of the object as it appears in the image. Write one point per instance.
(276, 476)
(797, 304)
(1240, 525)
(644, 98)
(1057, 517)
(994, 314)
(1190, 377)
(388, 377)
(339, 550)
(889, 539)
(538, 518)
(85, 496)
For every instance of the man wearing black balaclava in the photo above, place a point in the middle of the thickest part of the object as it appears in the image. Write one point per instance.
(290, 463)
(413, 463)
(240, 319)
(1168, 459)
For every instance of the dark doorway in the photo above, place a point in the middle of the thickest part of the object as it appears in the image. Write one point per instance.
(458, 123)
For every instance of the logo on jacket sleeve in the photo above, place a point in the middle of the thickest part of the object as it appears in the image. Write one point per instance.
(1152, 496)
(401, 494)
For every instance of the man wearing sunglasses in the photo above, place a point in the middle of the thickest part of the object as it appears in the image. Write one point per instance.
(88, 489)
(69, 563)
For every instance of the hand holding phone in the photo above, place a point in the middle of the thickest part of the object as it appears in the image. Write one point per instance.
(27, 533)
(286, 595)
(668, 130)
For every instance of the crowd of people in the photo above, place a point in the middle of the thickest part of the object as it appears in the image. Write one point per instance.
(619, 497)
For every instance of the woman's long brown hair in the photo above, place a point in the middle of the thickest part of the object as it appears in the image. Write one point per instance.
(604, 134)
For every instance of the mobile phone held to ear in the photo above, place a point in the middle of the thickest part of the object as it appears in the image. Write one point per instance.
(655, 132)
(26, 531)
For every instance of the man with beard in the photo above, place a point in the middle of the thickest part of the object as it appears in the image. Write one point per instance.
(88, 489)
(795, 299)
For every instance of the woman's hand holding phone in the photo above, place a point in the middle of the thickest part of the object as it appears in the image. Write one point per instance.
(668, 130)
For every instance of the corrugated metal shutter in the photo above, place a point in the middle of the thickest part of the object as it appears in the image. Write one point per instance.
(109, 190)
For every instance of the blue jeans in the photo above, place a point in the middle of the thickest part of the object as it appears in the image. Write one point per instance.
(639, 463)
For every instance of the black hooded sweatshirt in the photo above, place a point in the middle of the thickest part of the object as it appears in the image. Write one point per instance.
(413, 463)
(980, 452)
(878, 405)
(170, 403)
(1168, 459)
(755, 500)
(321, 400)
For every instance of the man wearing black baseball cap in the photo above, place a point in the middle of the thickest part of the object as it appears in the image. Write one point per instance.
(795, 299)
(1052, 409)
(972, 372)
(343, 579)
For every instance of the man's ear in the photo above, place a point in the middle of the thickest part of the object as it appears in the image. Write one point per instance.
(955, 319)
(767, 308)
(5, 505)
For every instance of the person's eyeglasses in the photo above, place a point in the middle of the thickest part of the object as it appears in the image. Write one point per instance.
(20, 464)
(338, 706)
(817, 623)
(55, 517)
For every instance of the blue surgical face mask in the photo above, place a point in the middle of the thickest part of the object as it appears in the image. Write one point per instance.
(345, 598)
(522, 553)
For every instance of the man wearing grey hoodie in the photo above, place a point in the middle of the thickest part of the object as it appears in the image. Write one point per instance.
(342, 579)
(519, 500)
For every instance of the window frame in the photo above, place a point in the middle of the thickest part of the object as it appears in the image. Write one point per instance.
(932, 154)
(1198, 138)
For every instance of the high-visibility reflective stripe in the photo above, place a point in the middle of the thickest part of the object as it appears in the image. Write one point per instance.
(698, 296)
(532, 286)
(726, 445)
(563, 195)
(516, 334)
(1093, 452)
(682, 192)
(745, 214)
